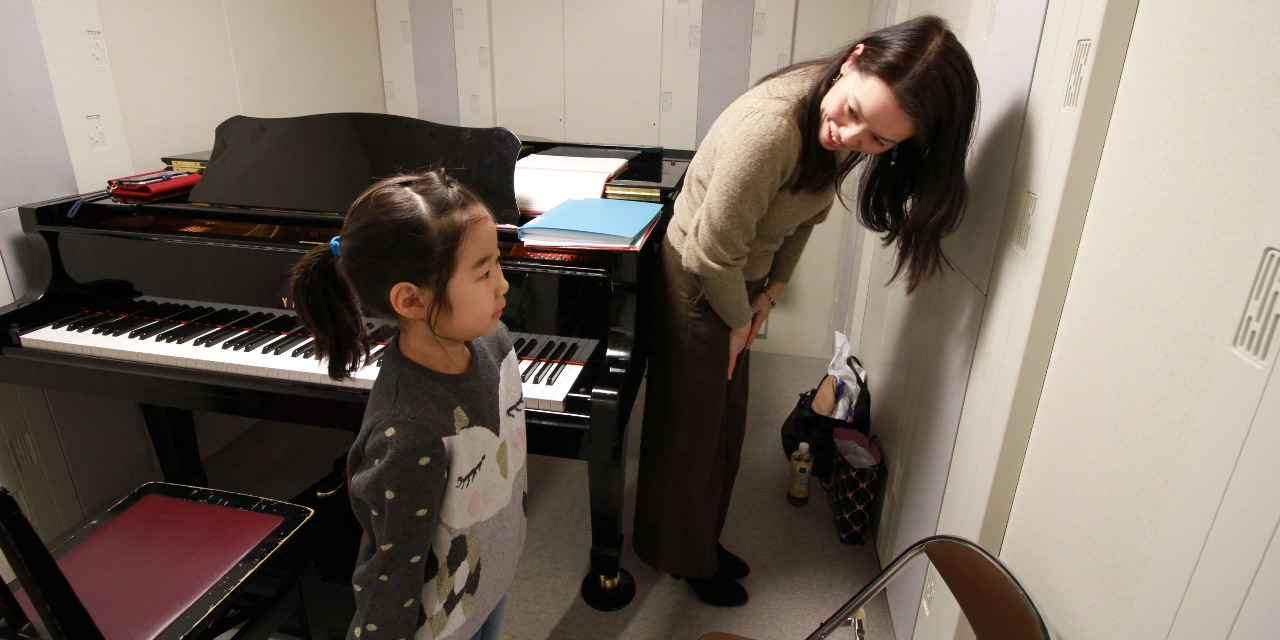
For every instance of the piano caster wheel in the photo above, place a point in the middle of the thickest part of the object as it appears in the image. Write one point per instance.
(608, 594)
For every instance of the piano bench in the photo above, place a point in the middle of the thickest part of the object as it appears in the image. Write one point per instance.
(168, 561)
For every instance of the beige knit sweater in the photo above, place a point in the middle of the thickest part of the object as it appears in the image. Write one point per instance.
(733, 221)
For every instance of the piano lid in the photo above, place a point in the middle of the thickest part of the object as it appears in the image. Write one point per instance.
(322, 162)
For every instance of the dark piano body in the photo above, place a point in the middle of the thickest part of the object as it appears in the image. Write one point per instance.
(272, 190)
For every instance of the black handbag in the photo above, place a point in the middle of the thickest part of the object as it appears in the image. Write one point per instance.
(804, 425)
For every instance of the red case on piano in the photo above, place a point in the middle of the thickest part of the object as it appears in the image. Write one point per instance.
(139, 189)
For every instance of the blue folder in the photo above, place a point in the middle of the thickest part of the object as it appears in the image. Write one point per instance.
(591, 222)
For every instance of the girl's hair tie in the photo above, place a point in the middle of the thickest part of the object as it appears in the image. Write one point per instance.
(333, 245)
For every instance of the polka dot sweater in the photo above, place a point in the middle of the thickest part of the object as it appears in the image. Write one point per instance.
(437, 481)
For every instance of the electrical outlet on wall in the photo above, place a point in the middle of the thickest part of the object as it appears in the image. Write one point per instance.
(926, 598)
(97, 49)
(97, 135)
(24, 452)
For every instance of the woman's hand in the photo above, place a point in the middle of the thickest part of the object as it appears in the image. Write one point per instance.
(737, 343)
(743, 337)
(761, 305)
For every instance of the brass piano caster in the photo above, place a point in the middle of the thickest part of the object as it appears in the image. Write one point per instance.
(608, 593)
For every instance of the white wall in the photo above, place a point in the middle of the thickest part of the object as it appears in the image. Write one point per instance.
(1169, 248)
(236, 57)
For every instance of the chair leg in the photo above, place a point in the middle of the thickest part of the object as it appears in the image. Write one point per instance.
(281, 607)
(10, 611)
(313, 616)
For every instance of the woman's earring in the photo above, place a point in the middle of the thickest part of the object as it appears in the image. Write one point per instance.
(893, 157)
(836, 79)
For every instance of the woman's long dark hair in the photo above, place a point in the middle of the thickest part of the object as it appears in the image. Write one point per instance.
(406, 228)
(920, 197)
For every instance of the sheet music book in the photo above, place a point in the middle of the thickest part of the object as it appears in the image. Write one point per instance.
(543, 181)
(591, 223)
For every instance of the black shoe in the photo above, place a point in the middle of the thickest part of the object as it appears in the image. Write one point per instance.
(731, 566)
(718, 591)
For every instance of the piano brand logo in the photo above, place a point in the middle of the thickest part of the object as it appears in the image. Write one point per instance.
(286, 296)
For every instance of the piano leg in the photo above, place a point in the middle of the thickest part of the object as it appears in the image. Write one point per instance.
(608, 587)
(173, 434)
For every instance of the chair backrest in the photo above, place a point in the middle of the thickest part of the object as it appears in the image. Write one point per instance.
(993, 601)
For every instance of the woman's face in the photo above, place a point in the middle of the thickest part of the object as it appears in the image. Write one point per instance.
(861, 114)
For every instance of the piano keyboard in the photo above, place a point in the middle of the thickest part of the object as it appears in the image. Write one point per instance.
(268, 343)
(549, 366)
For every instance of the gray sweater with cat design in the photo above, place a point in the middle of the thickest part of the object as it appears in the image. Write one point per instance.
(437, 481)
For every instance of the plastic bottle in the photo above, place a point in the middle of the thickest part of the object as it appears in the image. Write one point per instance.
(801, 469)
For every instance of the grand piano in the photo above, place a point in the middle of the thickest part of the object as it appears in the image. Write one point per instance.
(180, 305)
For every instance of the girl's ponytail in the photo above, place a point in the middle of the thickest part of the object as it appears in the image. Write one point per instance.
(330, 309)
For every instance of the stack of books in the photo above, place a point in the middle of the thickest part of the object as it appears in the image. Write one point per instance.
(592, 223)
(193, 162)
(543, 181)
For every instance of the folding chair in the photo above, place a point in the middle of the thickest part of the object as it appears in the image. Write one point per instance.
(168, 561)
(993, 601)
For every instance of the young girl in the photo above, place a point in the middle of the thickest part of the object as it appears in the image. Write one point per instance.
(437, 472)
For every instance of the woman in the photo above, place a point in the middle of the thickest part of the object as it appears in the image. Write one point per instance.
(902, 100)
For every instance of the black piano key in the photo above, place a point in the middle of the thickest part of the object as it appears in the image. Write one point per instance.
(141, 320)
(105, 317)
(551, 361)
(383, 333)
(255, 340)
(180, 328)
(375, 354)
(568, 356)
(209, 324)
(269, 330)
(72, 318)
(518, 343)
(278, 346)
(213, 338)
(111, 312)
(546, 348)
(302, 349)
(193, 330)
(180, 321)
(89, 323)
(147, 309)
(148, 330)
(528, 347)
(24, 328)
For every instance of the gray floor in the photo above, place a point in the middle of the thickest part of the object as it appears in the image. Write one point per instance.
(800, 573)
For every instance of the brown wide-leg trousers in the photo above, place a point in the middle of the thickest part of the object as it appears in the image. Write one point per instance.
(694, 422)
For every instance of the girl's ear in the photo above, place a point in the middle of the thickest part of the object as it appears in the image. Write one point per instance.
(410, 301)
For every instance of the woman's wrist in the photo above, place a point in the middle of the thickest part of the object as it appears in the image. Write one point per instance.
(773, 302)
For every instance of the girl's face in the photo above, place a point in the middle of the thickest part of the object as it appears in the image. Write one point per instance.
(477, 289)
(861, 114)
